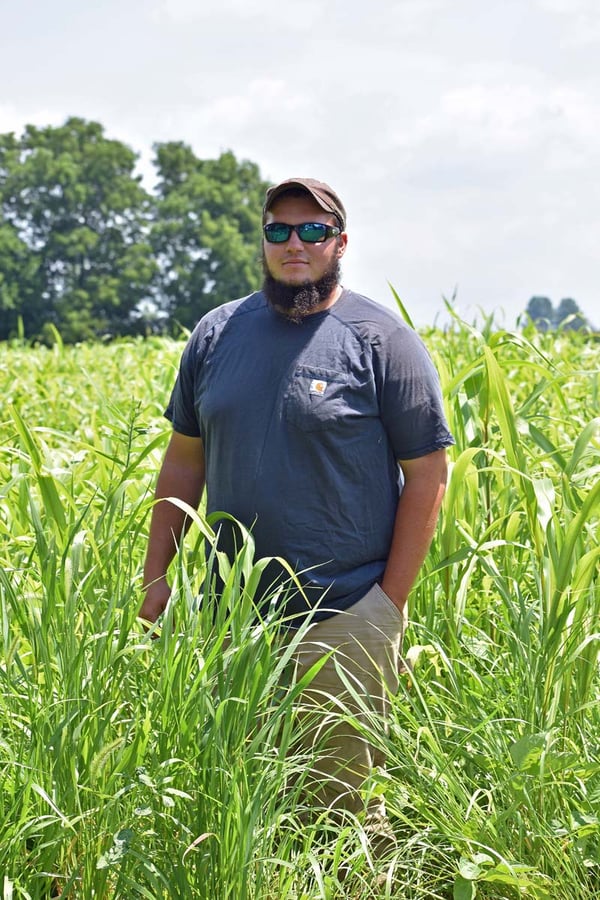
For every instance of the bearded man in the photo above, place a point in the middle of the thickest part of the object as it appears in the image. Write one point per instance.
(312, 415)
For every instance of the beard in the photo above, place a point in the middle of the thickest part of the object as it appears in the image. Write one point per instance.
(296, 301)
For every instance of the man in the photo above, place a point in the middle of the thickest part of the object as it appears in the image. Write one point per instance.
(313, 416)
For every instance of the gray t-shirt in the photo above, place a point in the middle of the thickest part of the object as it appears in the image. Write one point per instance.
(302, 428)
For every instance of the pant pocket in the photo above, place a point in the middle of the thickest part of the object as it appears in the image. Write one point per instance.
(402, 614)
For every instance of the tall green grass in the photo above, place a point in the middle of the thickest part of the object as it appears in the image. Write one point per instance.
(166, 765)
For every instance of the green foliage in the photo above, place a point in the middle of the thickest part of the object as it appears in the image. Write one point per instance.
(86, 249)
(141, 767)
(68, 194)
(206, 231)
(18, 278)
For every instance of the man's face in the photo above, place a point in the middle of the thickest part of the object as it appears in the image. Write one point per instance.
(294, 262)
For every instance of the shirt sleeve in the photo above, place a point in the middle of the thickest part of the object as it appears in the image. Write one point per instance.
(181, 409)
(410, 395)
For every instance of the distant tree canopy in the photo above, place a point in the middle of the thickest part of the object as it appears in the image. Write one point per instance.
(85, 248)
(546, 317)
(206, 230)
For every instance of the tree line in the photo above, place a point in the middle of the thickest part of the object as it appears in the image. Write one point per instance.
(547, 317)
(84, 247)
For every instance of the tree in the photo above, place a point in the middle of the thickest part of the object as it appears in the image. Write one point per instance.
(73, 231)
(18, 281)
(569, 316)
(545, 316)
(206, 231)
(541, 312)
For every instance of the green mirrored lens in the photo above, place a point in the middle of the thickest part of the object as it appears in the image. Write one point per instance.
(312, 232)
(278, 233)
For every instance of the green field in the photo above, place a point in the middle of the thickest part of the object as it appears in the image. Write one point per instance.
(132, 767)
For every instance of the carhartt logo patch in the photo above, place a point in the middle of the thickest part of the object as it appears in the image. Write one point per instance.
(317, 387)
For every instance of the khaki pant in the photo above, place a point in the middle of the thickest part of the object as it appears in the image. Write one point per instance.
(359, 678)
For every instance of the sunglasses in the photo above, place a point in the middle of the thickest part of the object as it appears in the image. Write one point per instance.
(309, 232)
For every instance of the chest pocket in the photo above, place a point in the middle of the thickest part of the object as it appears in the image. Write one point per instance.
(316, 398)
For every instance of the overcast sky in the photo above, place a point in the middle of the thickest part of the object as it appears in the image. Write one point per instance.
(462, 135)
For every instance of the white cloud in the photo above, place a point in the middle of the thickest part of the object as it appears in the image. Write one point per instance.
(504, 114)
(12, 119)
(410, 16)
(509, 117)
(267, 120)
(185, 11)
(569, 7)
(259, 97)
(581, 19)
(503, 119)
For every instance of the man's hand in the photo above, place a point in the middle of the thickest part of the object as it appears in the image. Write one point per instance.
(155, 601)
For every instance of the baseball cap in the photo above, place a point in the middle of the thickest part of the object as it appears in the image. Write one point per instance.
(325, 196)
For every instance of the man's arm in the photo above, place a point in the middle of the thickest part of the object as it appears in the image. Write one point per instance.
(182, 476)
(416, 519)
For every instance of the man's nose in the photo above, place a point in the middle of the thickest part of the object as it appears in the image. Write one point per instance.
(294, 242)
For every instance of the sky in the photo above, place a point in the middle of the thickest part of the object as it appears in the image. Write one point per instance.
(463, 136)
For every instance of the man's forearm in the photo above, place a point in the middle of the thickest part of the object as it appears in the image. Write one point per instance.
(416, 519)
(169, 522)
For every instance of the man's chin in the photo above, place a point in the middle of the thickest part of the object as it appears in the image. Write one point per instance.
(294, 283)
(297, 299)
